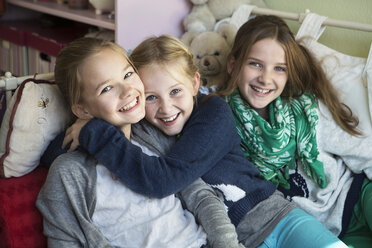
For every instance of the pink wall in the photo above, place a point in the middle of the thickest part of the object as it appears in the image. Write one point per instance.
(138, 19)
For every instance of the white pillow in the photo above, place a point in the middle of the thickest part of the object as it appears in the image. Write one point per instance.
(36, 113)
(348, 74)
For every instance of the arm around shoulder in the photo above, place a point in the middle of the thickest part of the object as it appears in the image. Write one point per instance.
(207, 137)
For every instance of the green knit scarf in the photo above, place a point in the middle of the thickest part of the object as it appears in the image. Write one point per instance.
(273, 147)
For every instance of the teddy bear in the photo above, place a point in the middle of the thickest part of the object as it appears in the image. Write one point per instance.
(210, 50)
(205, 13)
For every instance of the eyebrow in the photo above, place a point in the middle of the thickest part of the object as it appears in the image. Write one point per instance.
(108, 80)
(173, 86)
(252, 58)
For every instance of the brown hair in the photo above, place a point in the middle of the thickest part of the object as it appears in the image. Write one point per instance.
(162, 50)
(69, 60)
(305, 74)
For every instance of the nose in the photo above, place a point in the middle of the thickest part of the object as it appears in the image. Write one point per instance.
(126, 90)
(265, 76)
(165, 106)
(206, 62)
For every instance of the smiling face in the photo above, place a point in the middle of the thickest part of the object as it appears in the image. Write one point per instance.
(112, 90)
(169, 95)
(263, 76)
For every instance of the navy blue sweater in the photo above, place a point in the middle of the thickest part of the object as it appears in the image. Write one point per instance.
(209, 148)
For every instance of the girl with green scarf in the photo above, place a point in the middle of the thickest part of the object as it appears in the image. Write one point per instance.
(293, 127)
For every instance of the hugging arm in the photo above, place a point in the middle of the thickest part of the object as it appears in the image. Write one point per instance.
(201, 146)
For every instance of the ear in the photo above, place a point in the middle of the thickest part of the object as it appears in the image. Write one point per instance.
(188, 37)
(81, 112)
(196, 83)
(230, 64)
(228, 32)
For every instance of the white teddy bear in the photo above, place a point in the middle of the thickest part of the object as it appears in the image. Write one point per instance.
(210, 50)
(205, 13)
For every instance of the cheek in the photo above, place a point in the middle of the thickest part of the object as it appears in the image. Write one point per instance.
(283, 82)
(105, 106)
(139, 84)
(150, 111)
(243, 84)
(244, 90)
(186, 104)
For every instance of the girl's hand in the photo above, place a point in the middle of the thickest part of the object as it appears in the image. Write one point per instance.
(72, 134)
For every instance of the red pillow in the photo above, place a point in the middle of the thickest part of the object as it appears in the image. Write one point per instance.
(21, 224)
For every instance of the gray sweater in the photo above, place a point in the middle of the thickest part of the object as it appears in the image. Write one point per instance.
(67, 202)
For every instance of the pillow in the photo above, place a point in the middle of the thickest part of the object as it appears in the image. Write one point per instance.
(2, 104)
(348, 74)
(36, 113)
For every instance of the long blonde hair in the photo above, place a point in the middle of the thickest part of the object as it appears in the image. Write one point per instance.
(305, 74)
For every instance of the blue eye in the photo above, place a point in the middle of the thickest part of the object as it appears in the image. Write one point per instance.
(255, 64)
(175, 91)
(150, 98)
(106, 89)
(127, 75)
(280, 68)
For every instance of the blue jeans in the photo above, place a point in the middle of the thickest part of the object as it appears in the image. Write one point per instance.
(299, 229)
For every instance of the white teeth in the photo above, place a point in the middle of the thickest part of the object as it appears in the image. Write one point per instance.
(260, 90)
(130, 105)
(172, 118)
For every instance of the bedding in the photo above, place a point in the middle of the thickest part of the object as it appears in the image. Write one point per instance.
(351, 76)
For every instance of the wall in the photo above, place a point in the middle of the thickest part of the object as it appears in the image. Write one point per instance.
(140, 19)
(143, 18)
(355, 43)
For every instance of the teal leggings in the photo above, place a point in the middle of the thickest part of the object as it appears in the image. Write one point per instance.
(299, 229)
(359, 232)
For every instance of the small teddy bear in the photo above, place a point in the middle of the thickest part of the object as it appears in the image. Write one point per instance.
(210, 50)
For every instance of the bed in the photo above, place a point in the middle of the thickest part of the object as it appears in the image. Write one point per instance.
(36, 113)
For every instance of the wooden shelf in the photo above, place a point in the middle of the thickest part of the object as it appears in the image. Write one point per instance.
(86, 16)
